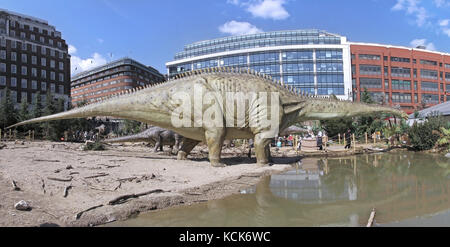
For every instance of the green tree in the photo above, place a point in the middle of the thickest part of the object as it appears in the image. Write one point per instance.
(23, 115)
(8, 114)
(131, 126)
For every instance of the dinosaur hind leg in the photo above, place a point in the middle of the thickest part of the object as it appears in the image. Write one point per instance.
(186, 147)
(214, 139)
(262, 149)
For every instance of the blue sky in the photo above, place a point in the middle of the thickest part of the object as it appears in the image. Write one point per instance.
(152, 31)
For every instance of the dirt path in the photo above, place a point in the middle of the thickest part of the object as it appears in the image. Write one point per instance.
(45, 171)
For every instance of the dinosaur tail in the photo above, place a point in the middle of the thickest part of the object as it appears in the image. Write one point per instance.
(120, 107)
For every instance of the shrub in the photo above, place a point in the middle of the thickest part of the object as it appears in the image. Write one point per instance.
(424, 136)
(94, 146)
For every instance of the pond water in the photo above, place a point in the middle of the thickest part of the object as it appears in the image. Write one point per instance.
(405, 188)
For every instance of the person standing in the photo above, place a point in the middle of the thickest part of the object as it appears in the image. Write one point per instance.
(348, 139)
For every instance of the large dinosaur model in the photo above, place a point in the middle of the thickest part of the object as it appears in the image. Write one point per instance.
(155, 135)
(215, 104)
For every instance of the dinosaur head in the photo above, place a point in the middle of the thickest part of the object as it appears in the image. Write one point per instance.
(323, 109)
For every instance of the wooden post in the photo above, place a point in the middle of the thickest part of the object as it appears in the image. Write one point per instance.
(29, 135)
(339, 137)
(374, 138)
(366, 137)
(10, 135)
(32, 135)
(354, 143)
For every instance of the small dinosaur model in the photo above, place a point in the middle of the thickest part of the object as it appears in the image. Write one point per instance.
(155, 135)
(215, 104)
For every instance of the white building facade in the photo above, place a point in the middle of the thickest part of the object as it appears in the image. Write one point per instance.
(313, 61)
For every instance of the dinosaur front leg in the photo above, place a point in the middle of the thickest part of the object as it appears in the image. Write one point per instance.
(262, 150)
(158, 144)
(214, 139)
(186, 148)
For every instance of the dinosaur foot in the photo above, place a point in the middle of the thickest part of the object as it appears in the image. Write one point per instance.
(216, 163)
(181, 155)
(264, 164)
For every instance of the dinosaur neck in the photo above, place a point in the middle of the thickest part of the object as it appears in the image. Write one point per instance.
(320, 109)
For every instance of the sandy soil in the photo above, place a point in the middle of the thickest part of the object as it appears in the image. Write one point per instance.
(99, 177)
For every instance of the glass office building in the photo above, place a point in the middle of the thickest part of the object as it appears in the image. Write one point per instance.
(313, 61)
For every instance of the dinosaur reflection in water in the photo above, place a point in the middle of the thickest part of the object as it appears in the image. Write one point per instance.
(326, 192)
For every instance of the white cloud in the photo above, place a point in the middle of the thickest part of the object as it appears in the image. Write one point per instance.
(446, 31)
(441, 3)
(268, 9)
(72, 49)
(444, 23)
(412, 7)
(239, 28)
(78, 64)
(234, 2)
(423, 42)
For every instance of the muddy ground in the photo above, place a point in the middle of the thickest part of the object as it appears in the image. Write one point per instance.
(66, 186)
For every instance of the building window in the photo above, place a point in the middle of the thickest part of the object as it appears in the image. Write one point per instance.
(369, 57)
(400, 72)
(2, 67)
(33, 48)
(369, 69)
(400, 59)
(33, 37)
(34, 72)
(428, 62)
(43, 50)
(369, 82)
(24, 83)
(61, 89)
(61, 66)
(43, 74)
(2, 80)
(2, 54)
(429, 86)
(13, 56)
(33, 59)
(42, 39)
(52, 52)
(44, 86)
(24, 58)
(43, 61)
(52, 87)
(401, 85)
(428, 74)
(52, 75)
(13, 68)
(61, 77)
(430, 98)
(24, 47)
(401, 97)
(24, 70)
(13, 82)
(34, 84)
(52, 63)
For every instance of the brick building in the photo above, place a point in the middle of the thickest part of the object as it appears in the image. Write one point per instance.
(112, 78)
(394, 75)
(33, 58)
